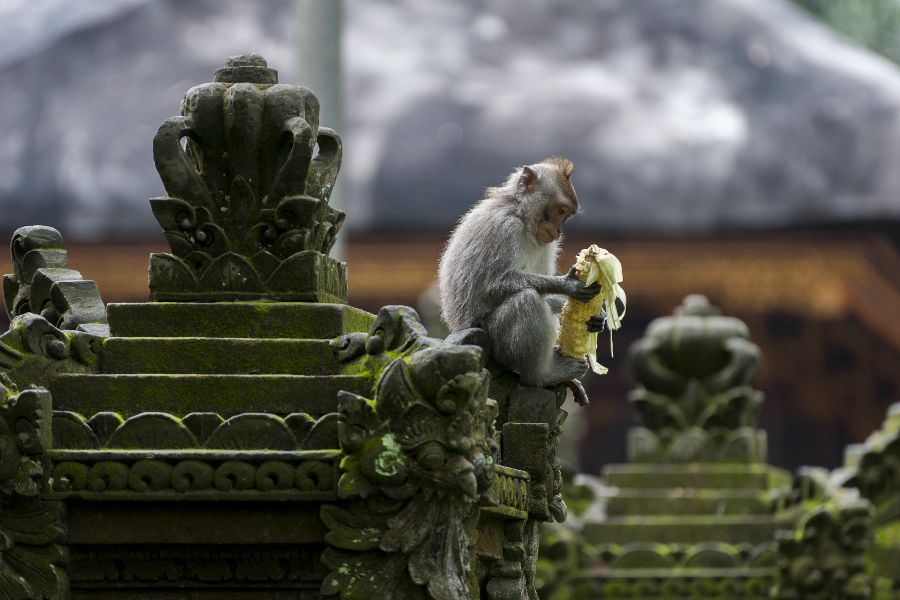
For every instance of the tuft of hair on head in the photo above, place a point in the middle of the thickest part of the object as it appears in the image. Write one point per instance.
(563, 164)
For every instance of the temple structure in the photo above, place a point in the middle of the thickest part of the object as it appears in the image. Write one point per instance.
(248, 434)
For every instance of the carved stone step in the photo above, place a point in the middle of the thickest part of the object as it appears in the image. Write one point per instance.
(226, 395)
(218, 355)
(670, 529)
(688, 501)
(296, 320)
(720, 476)
(706, 583)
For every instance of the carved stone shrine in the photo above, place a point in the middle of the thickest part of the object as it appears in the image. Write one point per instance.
(696, 513)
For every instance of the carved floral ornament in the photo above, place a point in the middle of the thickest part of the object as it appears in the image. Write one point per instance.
(246, 212)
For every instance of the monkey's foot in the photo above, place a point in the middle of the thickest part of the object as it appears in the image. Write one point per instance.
(565, 368)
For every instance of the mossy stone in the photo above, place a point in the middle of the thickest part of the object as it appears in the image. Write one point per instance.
(218, 355)
(695, 475)
(294, 320)
(180, 395)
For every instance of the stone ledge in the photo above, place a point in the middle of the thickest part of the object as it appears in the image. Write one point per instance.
(193, 355)
(294, 320)
(696, 475)
(226, 395)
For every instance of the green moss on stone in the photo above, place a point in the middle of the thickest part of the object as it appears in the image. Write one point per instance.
(390, 459)
(182, 394)
(219, 355)
(294, 320)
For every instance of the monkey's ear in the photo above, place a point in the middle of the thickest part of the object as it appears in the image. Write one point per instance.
(527, 179)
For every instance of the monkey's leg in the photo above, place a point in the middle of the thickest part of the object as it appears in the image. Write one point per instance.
(523, 331)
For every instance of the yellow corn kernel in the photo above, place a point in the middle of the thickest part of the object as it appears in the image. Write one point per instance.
(594, 264)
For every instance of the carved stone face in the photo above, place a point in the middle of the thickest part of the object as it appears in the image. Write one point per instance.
(437, 414)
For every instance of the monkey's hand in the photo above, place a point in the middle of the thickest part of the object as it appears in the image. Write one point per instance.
(573, 287)
(597, 323)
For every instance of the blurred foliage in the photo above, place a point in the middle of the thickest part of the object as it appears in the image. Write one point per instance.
(873, 23)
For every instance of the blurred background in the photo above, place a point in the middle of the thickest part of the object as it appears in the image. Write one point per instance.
(748, 150)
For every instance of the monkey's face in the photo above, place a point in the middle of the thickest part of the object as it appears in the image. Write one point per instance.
(557, 211)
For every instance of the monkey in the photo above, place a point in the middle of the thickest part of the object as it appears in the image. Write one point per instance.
(497, 272)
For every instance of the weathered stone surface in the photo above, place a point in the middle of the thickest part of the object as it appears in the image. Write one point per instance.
(208, 430)
(419, 461)
(532, 405)
(662, 476)
(236, 320)
(689, 501)
(181, 394)
(223, 475)
(41, 284)
(218, 355)
(193, 523)
(666, 529)
(218, 568)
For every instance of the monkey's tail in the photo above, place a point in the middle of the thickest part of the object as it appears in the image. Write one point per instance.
(578, 392)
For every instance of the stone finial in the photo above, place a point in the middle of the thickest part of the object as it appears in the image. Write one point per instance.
(246, 211)
(246, 68)
(694, 402)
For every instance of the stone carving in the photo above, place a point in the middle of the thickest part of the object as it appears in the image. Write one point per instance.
(418, 461)
(509, 493)
(24, 433)
(295, 475)
(873, 470)
(531, 419)
(246, 213)
(155, 430)
(33, 350)
(57, 318)
(695, 403)
(42, 283)
(530, 439)
(874, 467)
(396, 332)
(192, 567)
(32, 558)
(572, 564)
(826, 556)
(57, 322)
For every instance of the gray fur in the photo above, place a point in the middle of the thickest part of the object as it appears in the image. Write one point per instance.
(496, 275)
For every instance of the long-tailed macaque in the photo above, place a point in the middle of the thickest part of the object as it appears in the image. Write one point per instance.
(498, 272)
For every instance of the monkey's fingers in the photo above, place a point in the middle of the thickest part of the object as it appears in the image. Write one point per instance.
(596, 323)
(584, 293)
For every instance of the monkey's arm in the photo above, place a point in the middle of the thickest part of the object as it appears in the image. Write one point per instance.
(514, 281)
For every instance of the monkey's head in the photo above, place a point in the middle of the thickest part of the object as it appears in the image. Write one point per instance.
(547, 196)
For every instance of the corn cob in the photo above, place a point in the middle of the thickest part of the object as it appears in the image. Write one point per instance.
(593, 264)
